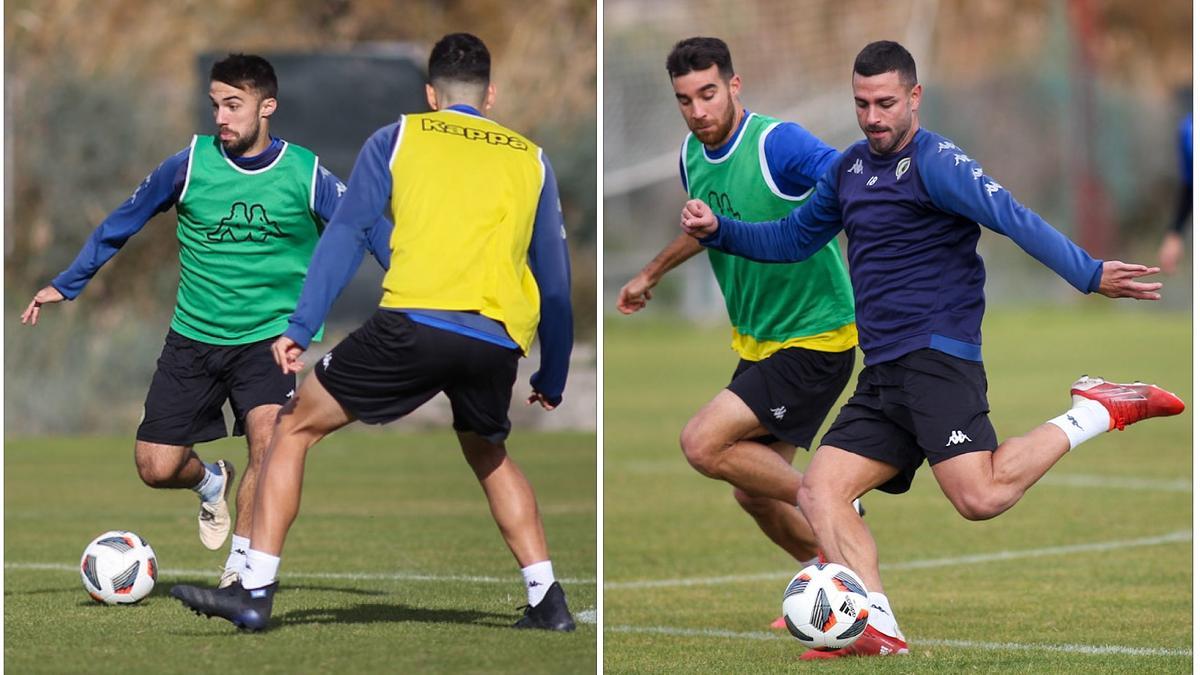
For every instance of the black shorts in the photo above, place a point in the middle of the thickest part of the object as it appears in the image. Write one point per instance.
(792, 390)
(924, 405)
(391, 365)
(194, 379)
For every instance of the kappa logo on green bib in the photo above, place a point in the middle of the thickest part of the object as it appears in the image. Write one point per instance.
(722, 204)
(245, 223)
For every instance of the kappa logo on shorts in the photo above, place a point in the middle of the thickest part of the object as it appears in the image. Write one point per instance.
(325, 361)
(779, 412)
(957, 437)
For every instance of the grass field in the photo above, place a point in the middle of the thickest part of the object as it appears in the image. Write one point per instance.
(394, 564)
(1090, 572)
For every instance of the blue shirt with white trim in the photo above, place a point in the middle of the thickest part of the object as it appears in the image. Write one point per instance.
(912, 222)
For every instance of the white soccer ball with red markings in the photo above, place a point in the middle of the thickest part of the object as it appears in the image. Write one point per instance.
(825, 606)
(118, 568)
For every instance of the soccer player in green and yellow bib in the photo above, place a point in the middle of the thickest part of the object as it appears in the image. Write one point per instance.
(250, 210)
(793, 325)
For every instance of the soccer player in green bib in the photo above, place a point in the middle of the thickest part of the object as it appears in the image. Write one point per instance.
(793, 325)
(250, 210)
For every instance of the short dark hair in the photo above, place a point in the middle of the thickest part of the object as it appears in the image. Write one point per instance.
(885, 56)
(460, 57)
(246, 71)
(700, 53)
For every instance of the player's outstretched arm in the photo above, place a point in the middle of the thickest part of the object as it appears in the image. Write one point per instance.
(636, 292)
(1119, 280)
(46, 296)
(287, 354)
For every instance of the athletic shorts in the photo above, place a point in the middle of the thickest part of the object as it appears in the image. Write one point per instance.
(792, 390)
(392, 365)
(924, 405)
(194, 379)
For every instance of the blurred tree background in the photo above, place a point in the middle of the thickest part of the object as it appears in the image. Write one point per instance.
(97, 94)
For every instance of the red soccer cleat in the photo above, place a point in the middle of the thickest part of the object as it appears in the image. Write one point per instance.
(1127, 403)
(870, 643)
(779, 624)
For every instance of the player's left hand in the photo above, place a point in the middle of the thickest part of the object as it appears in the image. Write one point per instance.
(287, 354)
(539, 397)
(1118, 280)
(697, 219)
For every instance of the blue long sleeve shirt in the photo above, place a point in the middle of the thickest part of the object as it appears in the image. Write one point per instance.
(912, 222)
(160, 191)
(369, 194)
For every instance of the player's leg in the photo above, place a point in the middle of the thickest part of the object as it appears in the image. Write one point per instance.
(982, 485)
(781, 521)
(182, 408)
(717, 443)
(258, 389)
(480, 393)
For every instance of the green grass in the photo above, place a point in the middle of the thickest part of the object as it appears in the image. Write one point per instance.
(663, 521)
(389, 506)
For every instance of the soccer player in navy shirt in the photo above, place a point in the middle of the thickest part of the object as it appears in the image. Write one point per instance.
(911, 203)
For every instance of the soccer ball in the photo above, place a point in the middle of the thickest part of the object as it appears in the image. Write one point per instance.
(825, 606)
(118, 568)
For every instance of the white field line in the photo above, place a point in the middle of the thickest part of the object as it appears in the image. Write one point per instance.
(1095, 650)
(1171, 538)
(1116, 482)
(350, 576)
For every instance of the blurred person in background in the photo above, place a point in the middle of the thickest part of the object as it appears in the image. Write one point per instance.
(912, 203)
(1172, 248)
(793, 325)
(250, 209)
(479, 265)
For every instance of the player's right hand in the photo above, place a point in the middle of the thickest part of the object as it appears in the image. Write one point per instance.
(634, 295)
(45, 296)
(287, 354)
(697, 219)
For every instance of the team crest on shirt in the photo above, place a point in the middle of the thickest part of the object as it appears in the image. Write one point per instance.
(902, 167)
(245, 223)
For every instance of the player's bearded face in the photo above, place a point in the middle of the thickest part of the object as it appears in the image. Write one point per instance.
(887, 111)
(706, 101)
(237, 115)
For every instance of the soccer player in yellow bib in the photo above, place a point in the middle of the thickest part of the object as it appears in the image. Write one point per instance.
(479, 265)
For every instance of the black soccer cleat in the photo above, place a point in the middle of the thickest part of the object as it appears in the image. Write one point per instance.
(549, 614)
(248, 610)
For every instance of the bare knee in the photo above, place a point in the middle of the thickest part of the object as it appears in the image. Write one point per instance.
(977, 506)
(700, 449)
(159, 466)
(481, 454)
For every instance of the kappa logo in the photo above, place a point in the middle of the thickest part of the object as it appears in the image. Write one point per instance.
(722, 204)
(992, 187)
(959, 158)
(326, 360)
(245, 223)
(957, 437)
(902, 167)
(534, 583)
(856, 167)
(946, 145)
(779, 412)
(291, 393)
(473, 134)
(977, 173)
(1075, 422)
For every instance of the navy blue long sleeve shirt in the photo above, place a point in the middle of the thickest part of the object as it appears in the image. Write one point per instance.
(912, 222)
(160, 191)
(369, 194)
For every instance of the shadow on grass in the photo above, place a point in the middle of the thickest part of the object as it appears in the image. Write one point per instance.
(394, 613)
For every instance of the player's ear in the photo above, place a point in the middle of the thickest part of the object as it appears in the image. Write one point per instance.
(489, 99)
(735, 84)
(916, 96)
(267, 107)
(431, 97)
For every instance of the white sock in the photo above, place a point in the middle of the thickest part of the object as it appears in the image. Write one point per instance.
(1086, 420)
(212, 485)
(881, 618)
(237, 554)
(261, 569)
(538, 578)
